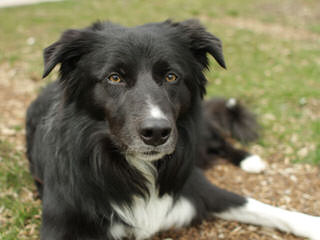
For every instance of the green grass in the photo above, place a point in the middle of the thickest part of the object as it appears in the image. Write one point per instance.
(276, 76)
(17, 206)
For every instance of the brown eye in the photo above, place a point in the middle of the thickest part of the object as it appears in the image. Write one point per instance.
(171, 77)
(115, 78)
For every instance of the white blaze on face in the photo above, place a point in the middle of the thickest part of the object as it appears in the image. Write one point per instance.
(155, 111)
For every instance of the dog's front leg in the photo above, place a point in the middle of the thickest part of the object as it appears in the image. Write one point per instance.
(61, 221)
(211, 200)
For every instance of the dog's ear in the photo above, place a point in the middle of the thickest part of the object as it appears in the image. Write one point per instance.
(66, 51)
(202, 42)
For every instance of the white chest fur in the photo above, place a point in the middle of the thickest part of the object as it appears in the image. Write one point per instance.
(150, 216)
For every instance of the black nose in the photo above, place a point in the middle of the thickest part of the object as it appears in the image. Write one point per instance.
(155, 131)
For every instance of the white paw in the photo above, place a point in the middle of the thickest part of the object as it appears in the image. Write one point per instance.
(306, 226)
(253, 164)
(314, 231)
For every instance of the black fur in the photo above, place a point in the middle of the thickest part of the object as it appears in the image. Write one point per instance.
(221, 123)
(231, 121)
(82, 127)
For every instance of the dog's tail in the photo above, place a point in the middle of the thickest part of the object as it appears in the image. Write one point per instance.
(231, 119)
(223, 119)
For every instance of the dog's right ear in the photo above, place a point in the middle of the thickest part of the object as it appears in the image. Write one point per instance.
(201, 42)
(66, 51)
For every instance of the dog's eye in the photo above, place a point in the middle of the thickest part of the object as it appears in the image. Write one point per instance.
(171, 77)
(114, 78)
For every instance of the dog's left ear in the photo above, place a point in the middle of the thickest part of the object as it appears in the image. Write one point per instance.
(202, 42)
(72, 44)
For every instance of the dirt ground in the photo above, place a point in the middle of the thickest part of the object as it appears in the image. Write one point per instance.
(14, 3)
(294, 187)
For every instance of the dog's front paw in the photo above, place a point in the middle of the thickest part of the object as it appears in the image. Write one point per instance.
(253, 164)
(307, 226)
(314, 229)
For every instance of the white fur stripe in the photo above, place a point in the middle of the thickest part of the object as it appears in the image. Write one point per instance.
(155, 112)
(258, 213)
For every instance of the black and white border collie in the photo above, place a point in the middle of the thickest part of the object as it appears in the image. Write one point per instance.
(117, 143)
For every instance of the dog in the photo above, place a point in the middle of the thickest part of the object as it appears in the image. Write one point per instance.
(117, 143)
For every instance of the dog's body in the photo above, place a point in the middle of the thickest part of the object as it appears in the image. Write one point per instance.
(115, 144)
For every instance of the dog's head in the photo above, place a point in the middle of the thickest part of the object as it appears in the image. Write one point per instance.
(141, 81)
